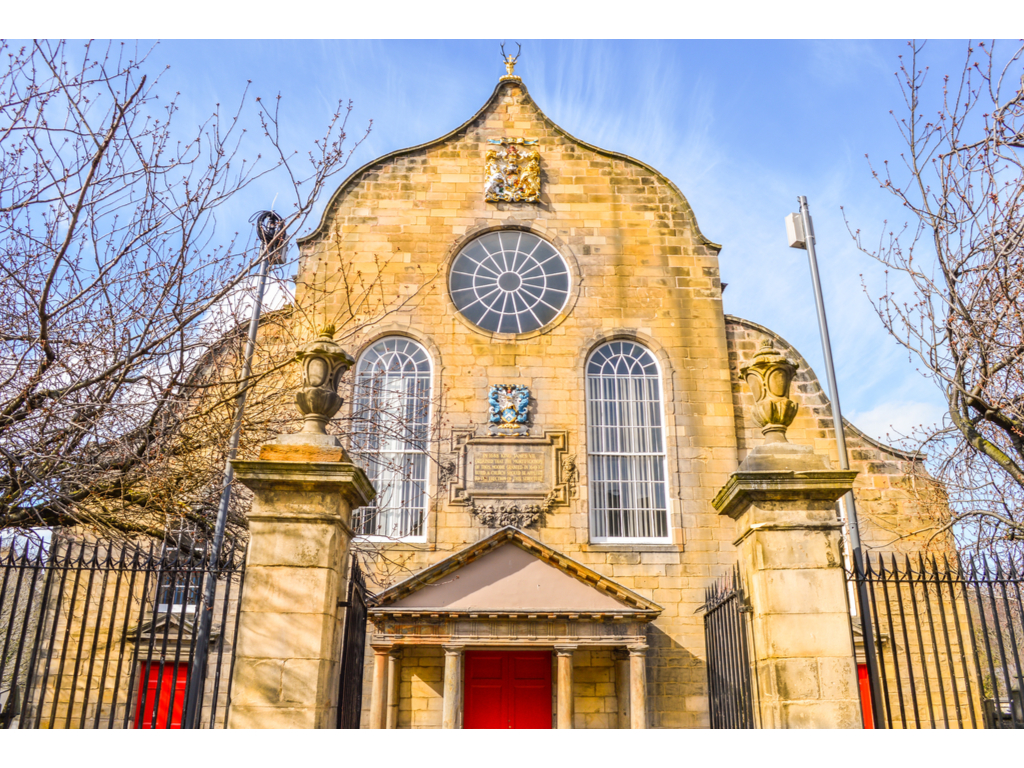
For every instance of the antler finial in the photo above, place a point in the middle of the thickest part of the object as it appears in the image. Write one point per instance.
(510, 61)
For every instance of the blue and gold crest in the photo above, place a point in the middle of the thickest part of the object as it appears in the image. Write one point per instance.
(510, 409)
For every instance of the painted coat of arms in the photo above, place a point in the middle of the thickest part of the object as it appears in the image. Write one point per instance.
(513, 171)
(510, 408)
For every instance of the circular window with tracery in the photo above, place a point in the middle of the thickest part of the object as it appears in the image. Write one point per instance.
(509, 282)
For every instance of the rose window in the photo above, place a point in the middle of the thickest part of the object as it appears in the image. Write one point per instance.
(509, 282)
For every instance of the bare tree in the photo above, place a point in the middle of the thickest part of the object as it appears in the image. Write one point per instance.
(957, 302)
(117, 283)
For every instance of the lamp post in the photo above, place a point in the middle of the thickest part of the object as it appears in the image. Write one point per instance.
(800, 232)
(269, 230)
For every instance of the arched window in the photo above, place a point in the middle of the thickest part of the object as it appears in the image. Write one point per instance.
(626, 445)
(391, 417)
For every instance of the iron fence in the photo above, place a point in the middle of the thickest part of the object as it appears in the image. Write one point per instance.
(730, 693)
(949, 642)
(350, 690)
(101, 635)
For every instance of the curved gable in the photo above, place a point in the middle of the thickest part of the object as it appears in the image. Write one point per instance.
(510, 111)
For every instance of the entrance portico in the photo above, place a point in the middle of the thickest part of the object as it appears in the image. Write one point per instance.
(510, 593)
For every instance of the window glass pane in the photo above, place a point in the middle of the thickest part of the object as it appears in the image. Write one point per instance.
(626, 461)
(509, 282)
(392, 418)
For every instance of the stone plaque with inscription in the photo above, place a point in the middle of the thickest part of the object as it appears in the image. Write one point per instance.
(509, 469)
(497, 468)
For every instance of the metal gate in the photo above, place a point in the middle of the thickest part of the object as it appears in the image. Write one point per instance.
(950, 640)
(725, 638)
(100, 634)
(350, 691)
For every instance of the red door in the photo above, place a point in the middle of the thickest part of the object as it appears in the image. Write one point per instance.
(507, 689)
(865, 695)
(170, 678)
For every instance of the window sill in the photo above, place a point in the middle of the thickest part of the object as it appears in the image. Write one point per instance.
(416, 545)
(626, 546)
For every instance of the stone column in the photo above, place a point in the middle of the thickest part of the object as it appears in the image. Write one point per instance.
(622, 687)
(452, 686)
(789, 541)
(563, 696)
(638, 686)
(286, 666)
(379, 691)
(394, 682)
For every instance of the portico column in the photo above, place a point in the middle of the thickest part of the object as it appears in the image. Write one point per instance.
(452, 689)
(638, 686)
(564, 691)
(394, 680)
(378, 694)
(622, 687)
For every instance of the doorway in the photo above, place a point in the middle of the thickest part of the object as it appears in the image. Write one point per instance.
(507, 689)
(162, 693)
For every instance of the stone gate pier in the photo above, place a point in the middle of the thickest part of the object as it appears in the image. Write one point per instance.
(305, 486)
(789, 538)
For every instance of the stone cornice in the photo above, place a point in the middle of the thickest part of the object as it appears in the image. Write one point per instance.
(307, 476)
(502, 631)
(746, 488)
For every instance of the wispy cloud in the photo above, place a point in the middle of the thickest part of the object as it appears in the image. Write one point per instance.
(893, 419)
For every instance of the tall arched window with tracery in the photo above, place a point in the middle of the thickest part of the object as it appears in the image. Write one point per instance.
(626, 460)
(391, 420)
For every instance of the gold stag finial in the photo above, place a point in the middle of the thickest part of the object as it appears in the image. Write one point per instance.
(510, 62)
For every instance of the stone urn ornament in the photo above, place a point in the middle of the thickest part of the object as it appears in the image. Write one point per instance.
(769, 377)
(324, 362)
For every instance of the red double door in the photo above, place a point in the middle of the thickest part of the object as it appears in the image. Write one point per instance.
(507, 689)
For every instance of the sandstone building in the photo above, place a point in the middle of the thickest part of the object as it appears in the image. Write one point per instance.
(573, 402)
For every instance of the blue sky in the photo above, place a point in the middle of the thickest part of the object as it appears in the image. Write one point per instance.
(742, 127)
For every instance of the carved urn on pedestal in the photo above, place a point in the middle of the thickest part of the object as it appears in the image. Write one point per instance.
(769, 377)
(324, 362)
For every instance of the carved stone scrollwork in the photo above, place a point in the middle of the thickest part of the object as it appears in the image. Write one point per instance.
(518, 514)
(447, 470)
(570, 474)
(769, 377)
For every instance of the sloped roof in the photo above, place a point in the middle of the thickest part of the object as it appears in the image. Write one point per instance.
(511, 572)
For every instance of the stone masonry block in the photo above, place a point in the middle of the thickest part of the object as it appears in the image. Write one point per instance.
(285, 636)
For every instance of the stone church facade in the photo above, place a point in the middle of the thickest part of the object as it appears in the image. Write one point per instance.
(573, 404)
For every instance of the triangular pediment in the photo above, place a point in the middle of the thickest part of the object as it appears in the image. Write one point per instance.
(510, 572)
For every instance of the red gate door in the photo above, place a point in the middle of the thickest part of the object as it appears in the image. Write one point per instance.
(172, 678)
(507, 689)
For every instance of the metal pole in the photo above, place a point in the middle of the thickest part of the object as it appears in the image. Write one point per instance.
(268, 228)
(867, 627)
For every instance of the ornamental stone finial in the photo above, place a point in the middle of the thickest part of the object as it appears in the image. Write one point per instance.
(510, 63)
(769, 377)
(323, 363)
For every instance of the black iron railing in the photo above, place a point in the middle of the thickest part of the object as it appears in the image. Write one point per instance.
(725, 636)
(350, 699)
(950, 639)
(101, 634)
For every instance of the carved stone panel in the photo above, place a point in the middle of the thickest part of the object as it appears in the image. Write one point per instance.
(495, 474)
